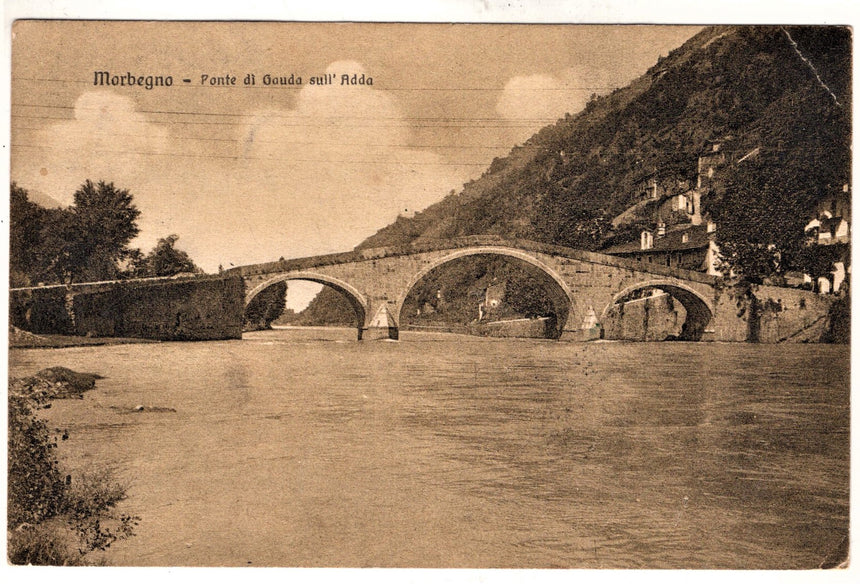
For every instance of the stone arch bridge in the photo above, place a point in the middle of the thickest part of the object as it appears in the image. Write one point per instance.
(583, 285)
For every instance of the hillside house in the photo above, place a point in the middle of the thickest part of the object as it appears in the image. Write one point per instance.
(831, 224)
(831, 221)
(683, 238)
(688, 247)
(494, 296)
(712, 158)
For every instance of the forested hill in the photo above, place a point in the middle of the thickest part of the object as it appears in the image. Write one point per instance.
(785, 91)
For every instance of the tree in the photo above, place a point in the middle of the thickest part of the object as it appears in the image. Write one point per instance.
(266, 307)
(61, 254)
(818, 260)
(25, 237)
(761, 212)
(165, 260)
(105, 221)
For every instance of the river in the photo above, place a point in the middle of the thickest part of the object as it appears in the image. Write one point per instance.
(307, 448)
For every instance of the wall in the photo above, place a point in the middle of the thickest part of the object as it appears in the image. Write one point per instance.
(206, 308)
(537, 328)
(771, 314)
(654, 318)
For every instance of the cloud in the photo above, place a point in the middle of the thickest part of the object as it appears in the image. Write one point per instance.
(102, 141)
(535, 96)
(329, 172)
(533, 101)
(316, 177)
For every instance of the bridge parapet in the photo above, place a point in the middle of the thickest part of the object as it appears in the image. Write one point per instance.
(428, 246)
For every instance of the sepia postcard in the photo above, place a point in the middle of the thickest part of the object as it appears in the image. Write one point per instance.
(426, 295)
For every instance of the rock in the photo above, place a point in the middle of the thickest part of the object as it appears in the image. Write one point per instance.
(55, 383)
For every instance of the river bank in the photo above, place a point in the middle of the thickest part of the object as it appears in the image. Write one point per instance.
(21, 339)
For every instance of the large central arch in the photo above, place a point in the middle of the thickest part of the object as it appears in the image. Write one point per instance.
(561, 293)
(356, 299)
(700, 310)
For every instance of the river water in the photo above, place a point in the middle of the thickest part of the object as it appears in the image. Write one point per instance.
(307, 448)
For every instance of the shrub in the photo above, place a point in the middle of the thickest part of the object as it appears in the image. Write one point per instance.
(53, 519)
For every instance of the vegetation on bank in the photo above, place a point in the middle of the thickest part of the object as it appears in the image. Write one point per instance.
(453, 293)
(265, 308)
(55, 516)
(89, 241)
(85, 242)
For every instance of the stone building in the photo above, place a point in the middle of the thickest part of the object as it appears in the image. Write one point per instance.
(831, 224)
(689, 247)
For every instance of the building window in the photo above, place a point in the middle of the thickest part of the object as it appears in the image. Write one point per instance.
(685, 238)
(646, 240)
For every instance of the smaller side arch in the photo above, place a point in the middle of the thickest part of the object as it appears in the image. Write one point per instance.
(356, 299)
(700, 310)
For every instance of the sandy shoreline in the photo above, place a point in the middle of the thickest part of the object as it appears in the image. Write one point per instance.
(20, 339)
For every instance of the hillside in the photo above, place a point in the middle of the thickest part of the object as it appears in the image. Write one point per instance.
(566, 183)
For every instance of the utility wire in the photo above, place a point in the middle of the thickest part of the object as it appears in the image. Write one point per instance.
(501, 125)
(229, 157)
(291, 142)
(264, 114)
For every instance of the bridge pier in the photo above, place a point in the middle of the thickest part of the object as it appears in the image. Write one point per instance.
(382, 326)
(588, 329)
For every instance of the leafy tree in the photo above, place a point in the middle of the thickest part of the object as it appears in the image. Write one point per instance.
(61, 253)
(105, 223)
(164, 260)
(818, 260)
(266, 307)
(85, 242)
(25, 237)
(761, 211)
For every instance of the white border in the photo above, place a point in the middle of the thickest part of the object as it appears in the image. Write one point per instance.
(523, 11)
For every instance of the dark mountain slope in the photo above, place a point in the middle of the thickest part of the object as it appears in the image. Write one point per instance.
(565, 183)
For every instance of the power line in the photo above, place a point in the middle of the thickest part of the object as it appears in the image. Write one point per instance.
(289, 116)
(501, 125)
(294, 143)
(289, 160)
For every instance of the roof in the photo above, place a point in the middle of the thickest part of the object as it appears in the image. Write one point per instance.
(672, 241)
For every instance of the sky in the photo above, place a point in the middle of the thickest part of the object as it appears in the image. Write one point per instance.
(251, 173)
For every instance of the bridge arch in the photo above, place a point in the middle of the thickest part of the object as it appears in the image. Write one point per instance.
(700, 310)
(356, 299)
(563, 290)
